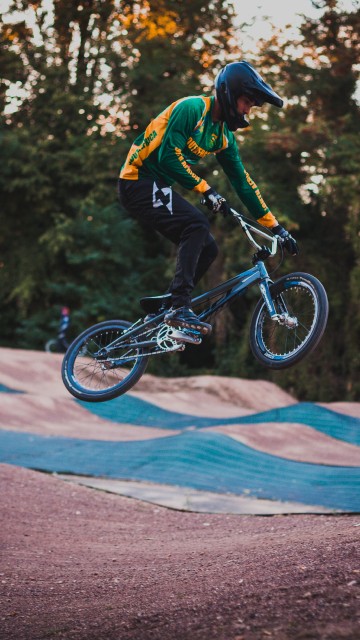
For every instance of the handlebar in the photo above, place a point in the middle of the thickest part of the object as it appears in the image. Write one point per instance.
(248, 229)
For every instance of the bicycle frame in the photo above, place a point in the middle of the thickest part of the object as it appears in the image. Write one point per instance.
(287, 324)
(235, 287)
(227, 290)
(239, 284)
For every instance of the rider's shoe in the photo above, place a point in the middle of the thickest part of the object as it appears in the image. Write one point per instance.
(185, 317)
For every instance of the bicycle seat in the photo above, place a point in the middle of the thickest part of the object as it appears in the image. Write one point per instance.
(153, 304)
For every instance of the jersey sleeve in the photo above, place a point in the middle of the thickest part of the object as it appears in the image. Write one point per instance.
(182, 122)
(243, 184)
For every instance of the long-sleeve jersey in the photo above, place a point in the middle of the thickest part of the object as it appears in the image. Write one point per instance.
(178, 138)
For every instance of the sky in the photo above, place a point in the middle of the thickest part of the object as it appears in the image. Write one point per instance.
(284, 11)
(280, 12)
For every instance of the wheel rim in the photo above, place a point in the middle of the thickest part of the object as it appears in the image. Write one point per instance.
(280, 342)
(94, 370)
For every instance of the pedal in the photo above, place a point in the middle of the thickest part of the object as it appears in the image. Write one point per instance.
(186, 335)
(202, 328)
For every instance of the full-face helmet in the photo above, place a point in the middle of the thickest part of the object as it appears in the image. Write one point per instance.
(238, 79)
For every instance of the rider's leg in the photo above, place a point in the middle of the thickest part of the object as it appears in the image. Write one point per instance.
(190, 247)
(185, 317)
(158, 207)
(207, 257)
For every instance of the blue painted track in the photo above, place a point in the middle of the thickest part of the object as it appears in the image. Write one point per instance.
(201, 460)
(196, 457)
(5, 389)
(138, 412)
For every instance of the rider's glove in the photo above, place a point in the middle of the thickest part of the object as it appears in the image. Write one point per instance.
(216, 202)
(286, 239)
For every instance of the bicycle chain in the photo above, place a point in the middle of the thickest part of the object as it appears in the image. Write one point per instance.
(179, 347)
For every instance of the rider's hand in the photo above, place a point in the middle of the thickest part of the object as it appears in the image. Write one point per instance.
(215, 202)
(286, 239)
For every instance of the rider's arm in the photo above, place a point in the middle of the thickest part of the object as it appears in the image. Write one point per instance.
(182, 122)
(243, 184)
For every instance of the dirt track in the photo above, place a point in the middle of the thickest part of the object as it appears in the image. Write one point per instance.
(84, 565)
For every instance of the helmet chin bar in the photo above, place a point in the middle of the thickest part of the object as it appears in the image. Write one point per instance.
(242, 122)
(233, 120)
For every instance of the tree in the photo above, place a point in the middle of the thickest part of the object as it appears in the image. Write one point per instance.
(308, 163)
(78, 80)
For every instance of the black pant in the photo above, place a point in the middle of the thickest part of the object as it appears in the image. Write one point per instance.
(158, 207)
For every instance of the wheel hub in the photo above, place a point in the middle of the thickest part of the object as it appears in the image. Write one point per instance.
(291, 322)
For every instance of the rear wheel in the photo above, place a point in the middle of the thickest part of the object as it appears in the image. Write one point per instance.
(301, 302)
(51, 346)
(97, 366)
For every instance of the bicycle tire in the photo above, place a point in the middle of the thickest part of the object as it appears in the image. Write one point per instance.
(51, 346)
(95, 378)
(278, 346)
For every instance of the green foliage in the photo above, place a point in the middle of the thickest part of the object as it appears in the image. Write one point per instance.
(174, 43)
(307, 165)
(73, 88)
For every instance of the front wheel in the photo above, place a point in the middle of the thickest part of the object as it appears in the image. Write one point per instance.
(100, 366)
(302, 306)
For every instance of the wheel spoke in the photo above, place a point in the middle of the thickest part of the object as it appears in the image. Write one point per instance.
(279, 340)
(93, 369)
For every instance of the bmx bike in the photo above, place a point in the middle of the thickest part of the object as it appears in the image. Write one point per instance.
(289, 320)
(54, 345)
(60, 343)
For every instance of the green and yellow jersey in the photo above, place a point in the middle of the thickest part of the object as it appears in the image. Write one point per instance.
(178, 138)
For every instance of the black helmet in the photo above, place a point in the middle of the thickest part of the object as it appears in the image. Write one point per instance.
(235, 80)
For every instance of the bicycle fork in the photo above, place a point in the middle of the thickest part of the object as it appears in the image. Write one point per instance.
(283, 318)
